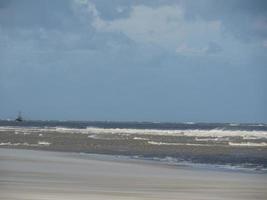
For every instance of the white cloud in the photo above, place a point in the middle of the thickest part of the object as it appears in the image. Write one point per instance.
(164, 26)
(211, 48)
(81, 1)
(186, 50)
(120, 9)
(85, 10)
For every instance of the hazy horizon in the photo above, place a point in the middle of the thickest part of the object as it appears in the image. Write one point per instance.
(25, 118)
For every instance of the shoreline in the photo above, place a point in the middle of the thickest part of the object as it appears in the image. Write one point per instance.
(156, 161)
(209, 148)
(34, 174)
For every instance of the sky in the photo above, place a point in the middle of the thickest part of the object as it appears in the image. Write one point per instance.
(134, 60)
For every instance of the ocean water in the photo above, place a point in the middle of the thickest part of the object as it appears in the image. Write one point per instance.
(219, 145)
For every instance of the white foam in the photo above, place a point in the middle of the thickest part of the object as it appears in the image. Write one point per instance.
(259, 125)
(176, 161)
(234, 124)
(216, 139)
(4, 143)
(193, 133)
(40, 143)
(190, 123)
(23, 130)
(139, 138)
(252, 144)
(93, 137)
(23, 133)
(176, 144)
(214, 133)
(67, 130)
(225, 133)
(250, 138)
(16, 144)
(44, 143)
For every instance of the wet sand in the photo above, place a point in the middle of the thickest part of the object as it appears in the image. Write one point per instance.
(27, 174)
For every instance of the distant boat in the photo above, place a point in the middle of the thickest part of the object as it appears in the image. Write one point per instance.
(19, 118)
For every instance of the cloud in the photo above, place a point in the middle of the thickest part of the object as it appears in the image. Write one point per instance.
(133, 59)
(238, 17)
(211, 48)
(164, 26)
(184, 49)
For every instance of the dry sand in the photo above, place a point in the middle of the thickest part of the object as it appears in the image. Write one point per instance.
(40, 175)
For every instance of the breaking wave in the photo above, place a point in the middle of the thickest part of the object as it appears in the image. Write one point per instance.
(40, 143)
(251, 144)
(176, 144)
(199, 134)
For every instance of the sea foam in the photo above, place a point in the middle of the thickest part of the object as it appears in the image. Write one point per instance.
(213, 133)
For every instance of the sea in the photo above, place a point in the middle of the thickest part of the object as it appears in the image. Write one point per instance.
(225, 146)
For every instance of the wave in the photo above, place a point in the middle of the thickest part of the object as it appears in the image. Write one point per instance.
(220, 134)
(40, 143)
(139, 138)
(234, 124)
(246, 167)
(176, 144)
(24, 130)
(250, 138)
(44, 143)
(216, 139)
(189, 123)
(251, 144)
(257, 125)
(213, 133)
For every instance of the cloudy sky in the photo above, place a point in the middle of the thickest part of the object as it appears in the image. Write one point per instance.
(137, 60)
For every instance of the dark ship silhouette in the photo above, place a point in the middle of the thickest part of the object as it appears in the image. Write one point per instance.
(19, 118)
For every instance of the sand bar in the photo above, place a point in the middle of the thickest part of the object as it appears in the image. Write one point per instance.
(42, 175)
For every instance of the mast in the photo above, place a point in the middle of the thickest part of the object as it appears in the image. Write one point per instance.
(19, 117)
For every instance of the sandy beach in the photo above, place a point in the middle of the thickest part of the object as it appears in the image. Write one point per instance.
(28, 174)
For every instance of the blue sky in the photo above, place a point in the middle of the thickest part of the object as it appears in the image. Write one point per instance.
(134, 60)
